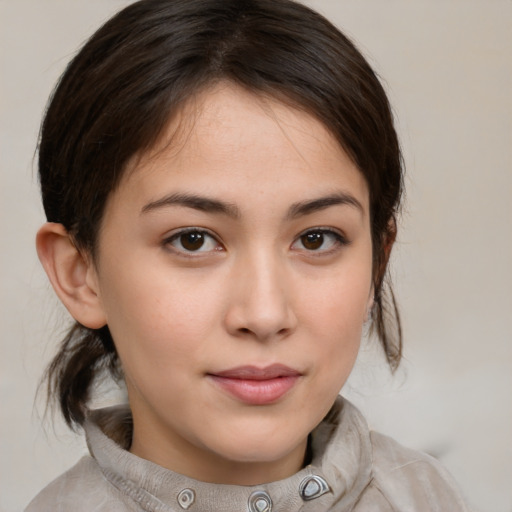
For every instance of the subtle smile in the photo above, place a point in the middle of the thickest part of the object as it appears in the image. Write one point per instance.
(257, 386)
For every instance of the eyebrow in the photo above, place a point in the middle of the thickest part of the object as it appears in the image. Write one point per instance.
(196, 202)
(211, 205)
(303, 208)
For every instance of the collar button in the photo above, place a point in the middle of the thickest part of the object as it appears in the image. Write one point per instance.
(186, 498)
(313, 487)
(260, 501)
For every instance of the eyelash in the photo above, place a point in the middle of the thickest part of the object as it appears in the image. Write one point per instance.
(338, 241)
(182, 232)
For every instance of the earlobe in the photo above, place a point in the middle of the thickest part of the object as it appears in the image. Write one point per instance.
(71, 274)
(388, 239)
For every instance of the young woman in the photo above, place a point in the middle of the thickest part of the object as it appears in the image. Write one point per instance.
(221, 180)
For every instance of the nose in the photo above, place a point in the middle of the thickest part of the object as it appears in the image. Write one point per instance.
(260, 305)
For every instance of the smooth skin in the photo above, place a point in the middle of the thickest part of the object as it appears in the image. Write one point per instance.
(242, 238)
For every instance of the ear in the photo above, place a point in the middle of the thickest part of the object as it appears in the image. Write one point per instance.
(71, 274)
(388, 240)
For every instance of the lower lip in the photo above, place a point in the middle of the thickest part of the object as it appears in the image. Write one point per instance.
(256, 392)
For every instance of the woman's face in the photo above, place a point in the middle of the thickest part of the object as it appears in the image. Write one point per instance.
(235, 272)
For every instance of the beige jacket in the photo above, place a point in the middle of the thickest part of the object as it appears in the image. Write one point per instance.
(352, 469)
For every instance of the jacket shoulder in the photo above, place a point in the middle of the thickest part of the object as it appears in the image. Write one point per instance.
(83, 488)
(412, 480)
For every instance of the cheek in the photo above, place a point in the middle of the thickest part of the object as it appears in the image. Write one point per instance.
(154, 323)
(339, 302)
(335, 316)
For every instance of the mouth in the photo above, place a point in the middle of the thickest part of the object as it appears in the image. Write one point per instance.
(256, 386)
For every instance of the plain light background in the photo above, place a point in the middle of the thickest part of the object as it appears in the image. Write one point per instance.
(447, 67)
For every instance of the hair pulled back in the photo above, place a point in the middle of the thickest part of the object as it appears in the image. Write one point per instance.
(140, 68)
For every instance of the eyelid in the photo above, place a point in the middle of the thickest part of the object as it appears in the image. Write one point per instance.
(340, 240)
(175, 234)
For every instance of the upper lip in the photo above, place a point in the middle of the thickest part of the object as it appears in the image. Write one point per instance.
(273, 371)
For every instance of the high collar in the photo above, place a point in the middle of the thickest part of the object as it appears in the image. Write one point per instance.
(339, 471)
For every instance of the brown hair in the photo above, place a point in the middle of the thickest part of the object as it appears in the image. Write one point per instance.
(139, 69)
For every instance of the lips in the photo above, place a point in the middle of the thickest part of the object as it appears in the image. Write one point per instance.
(256, 386)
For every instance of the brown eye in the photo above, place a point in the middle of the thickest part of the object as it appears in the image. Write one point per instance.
(320, 241)
(192, 241)
(312, 241)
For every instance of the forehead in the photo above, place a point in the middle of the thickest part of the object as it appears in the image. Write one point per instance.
(227, 138)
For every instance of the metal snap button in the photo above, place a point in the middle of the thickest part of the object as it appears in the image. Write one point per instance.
(260, 501)
(186, 498)
(313, 487)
